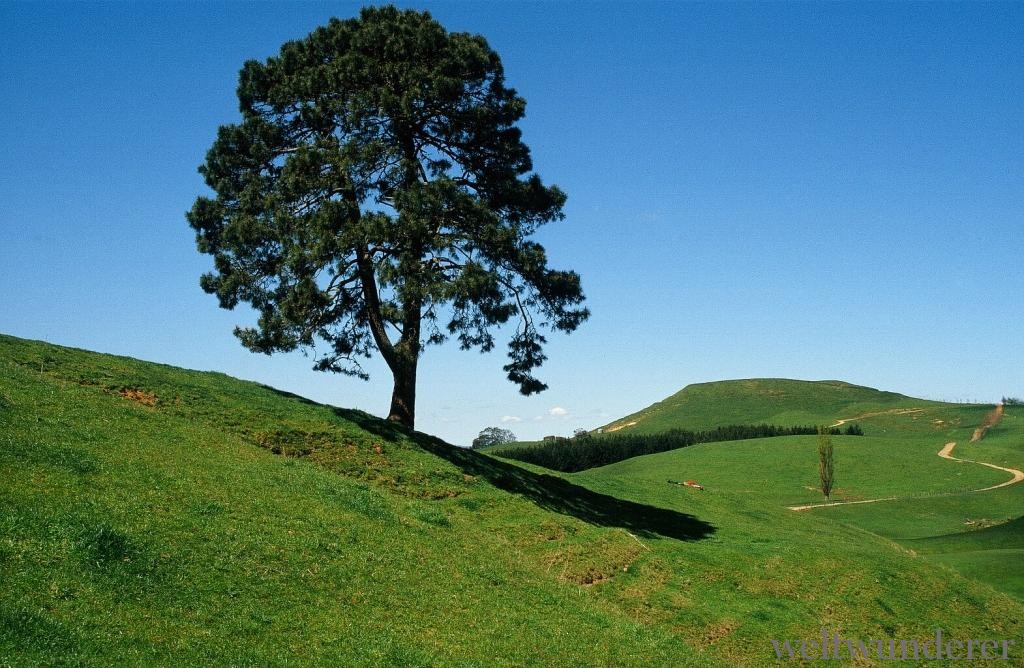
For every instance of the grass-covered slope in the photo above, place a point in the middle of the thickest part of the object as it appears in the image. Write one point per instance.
(935, 512)
(145, 518)
(980, 534)
(897, 456)
(150, 515)
(762, 400)
(991, 554)
(823, 564)
(770, 570)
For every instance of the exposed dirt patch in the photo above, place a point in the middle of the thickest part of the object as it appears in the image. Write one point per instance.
(591, 578)
(895, 411)
(991, 420)
(588, 563)
(716, 631)
(367, 459)
(138, 396)
(620, 426)
(983, 523)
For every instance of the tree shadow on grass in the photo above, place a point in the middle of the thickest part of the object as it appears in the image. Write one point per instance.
(557, 494)
(552, 492)
(296, 397)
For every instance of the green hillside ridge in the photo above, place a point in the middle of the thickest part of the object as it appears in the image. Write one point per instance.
(152, 515)
(776, 401)
(980, 535)
(146, 519)
(990, 554)
(936, 513)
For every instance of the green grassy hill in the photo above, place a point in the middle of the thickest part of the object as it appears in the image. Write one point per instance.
(936, 514)
(155, 516)
(991, 554)
(980, 535)
(761, 400)
(151, 515)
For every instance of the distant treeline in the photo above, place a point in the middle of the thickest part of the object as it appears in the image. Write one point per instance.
(584, 451)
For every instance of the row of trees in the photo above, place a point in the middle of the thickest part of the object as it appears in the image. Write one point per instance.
(584, 451)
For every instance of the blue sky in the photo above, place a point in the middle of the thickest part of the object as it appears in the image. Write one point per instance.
(789, 190)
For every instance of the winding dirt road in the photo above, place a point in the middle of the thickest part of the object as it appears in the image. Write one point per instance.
(946, 453)
(1018, 475)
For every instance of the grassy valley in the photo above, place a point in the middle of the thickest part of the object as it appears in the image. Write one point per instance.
(152, 515)
(932, 508)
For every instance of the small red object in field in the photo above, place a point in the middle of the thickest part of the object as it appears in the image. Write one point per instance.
(693, 483)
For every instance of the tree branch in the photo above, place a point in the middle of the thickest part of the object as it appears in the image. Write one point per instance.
(371, 296)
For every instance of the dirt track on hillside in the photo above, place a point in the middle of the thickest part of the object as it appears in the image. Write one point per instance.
(895, 411)
(991, 420)
(946, 453)
(1018, 475)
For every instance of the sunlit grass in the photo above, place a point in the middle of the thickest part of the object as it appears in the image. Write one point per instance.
(155, 516)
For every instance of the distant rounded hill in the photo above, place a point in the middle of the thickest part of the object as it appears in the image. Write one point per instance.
(777, 401)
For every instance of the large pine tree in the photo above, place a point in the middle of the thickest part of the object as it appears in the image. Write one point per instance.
(377, 195)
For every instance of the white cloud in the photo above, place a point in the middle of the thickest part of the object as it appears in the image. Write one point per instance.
(511, 418)
(558, 411)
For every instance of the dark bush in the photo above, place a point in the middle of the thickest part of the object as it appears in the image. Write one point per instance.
(854, 430)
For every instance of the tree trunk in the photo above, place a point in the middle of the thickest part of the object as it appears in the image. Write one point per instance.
(403, 398)
(407, 350)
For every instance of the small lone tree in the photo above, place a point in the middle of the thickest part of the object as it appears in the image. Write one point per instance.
(826, 472)
(493, 436)
(376, 195)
